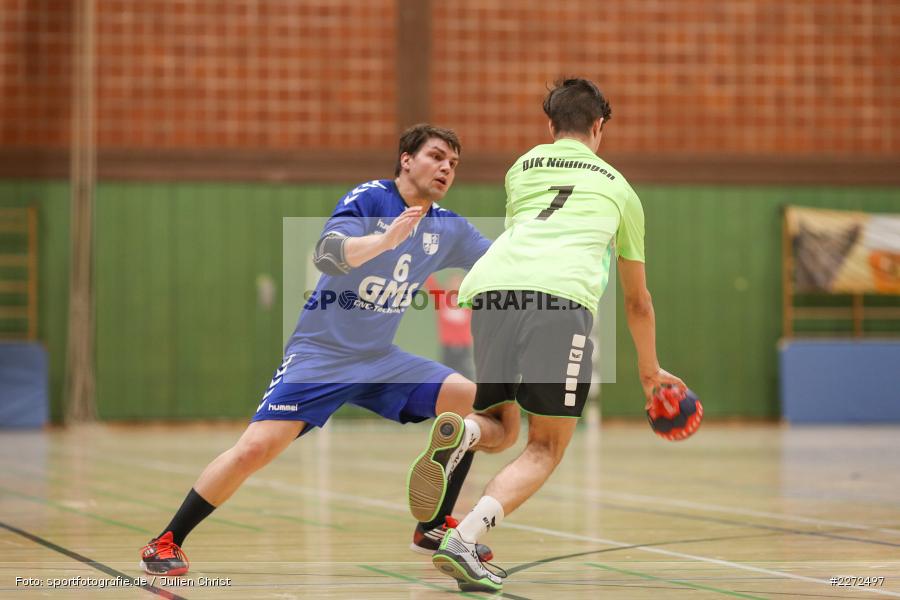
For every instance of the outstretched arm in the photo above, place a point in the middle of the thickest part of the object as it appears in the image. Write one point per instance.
(642, 325)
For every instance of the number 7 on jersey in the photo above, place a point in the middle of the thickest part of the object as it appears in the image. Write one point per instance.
(563, 193)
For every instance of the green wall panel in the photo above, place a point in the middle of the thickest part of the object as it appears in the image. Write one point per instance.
(52, 200)
(714, 269)
(180, 334)
(180, 331)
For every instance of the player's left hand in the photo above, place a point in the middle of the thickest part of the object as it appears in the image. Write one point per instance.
(655, 379)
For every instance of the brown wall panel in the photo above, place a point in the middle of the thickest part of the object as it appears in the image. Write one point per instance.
(742, 90)
(206, 73)
(696, 76)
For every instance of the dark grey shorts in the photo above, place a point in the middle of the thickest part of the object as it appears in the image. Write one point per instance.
(533, 348)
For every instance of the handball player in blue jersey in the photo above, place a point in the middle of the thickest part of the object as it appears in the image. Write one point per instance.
(382, 242)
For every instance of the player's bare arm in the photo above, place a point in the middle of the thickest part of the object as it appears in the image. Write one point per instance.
(337, 254)
(642, 325)
(360, 250)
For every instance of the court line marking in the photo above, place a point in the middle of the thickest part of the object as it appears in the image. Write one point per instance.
(61, 506)
(279, 485)
(507, 595)
(706, 559)
(301, 520)
(657, 500)
(390, 516)
(685, 583)
(551, 559)
(91, 563)
(439, 587)
(160, 507)
(764, 490)
(417, 581)
(723, 521)
(34, 474)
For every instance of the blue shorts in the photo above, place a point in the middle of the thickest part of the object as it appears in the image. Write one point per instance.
(402, 387)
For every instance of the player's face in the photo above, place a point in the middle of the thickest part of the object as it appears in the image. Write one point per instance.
(431, 170)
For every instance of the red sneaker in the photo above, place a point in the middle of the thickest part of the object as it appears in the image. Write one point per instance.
(162, 556)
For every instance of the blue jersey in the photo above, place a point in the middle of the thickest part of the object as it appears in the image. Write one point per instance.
(360, 312)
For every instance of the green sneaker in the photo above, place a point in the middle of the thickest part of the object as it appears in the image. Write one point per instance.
(426, 483)
(458, 559)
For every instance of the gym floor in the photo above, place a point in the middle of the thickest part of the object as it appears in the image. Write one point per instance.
(740, 511)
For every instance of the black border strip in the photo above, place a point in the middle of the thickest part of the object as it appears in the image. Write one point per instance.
(91, 563)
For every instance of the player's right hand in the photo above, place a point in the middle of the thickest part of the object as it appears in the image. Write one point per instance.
(403, 226)
(651, 381)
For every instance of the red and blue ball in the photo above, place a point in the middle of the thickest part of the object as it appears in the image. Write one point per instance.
(674, 414)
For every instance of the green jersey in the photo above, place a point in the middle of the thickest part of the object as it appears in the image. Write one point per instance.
(567, 213)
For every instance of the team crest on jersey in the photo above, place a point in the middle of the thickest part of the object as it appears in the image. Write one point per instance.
(430, 242)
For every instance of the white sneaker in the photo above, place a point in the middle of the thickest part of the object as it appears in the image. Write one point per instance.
(427, 541)
(458, 559)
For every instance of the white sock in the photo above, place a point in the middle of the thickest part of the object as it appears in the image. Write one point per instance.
(473, 432)
(486, 515)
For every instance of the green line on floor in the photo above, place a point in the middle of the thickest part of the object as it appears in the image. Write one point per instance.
(696, 586)
(409, 579)
(61, 506)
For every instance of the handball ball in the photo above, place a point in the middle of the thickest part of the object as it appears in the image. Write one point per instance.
(674, 415)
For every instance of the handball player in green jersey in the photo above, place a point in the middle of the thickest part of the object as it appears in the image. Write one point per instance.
(534, 295)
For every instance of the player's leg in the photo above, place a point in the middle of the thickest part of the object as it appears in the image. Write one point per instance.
(436, 479)
(437, 475)
(498, 425)
(287, 410)
(497, 366)
(409, 389)
(261, 442)
(451, 435)
(548, 438)
(455, 437)
(554, 358)
(423, 387)
(556, 376)
(456, 395)
(454, 402)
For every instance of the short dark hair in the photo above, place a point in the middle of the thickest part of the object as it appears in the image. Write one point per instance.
(412, 139)
(573, 105)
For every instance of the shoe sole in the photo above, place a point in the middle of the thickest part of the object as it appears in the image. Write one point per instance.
(426, 483)
(447, 565)
(172, 573)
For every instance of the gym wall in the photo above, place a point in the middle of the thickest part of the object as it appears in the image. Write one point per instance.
(180, 334)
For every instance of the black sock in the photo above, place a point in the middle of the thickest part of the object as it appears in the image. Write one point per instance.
(193, 510)
(454, 486)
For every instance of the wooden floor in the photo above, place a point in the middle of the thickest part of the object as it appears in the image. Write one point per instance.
(738, 511)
